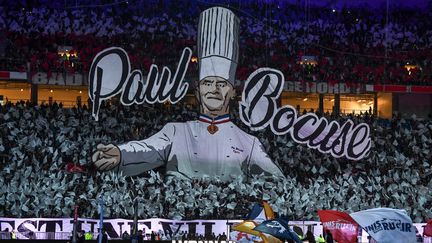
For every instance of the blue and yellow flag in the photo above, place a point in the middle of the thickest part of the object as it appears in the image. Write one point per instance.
(260, 212)
(278, 228)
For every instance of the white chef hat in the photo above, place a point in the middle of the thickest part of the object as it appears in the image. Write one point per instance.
(218, 34)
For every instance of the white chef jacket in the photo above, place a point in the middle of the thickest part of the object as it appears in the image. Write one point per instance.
(188, 150)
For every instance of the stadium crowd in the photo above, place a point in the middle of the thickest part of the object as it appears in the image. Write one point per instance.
(351, 46)
(37, 143)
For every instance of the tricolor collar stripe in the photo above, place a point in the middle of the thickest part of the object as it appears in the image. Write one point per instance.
(216, 120)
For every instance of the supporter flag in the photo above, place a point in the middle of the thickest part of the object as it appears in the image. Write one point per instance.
(340, 224)
(278, 228)
(244, 237)
(256, 212)
(261, 212)
(246, 230)
(247, 227)
(428, 229)
(268, 210)
(267, 238)
(74, 168)
(386, 225)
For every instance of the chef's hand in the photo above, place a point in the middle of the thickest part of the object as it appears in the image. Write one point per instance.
(106, 157)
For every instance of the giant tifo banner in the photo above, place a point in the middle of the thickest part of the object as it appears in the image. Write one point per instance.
(61, 228)
(323, 87)
(71, 79)
(212, 145)
(114, 227)
(399, 88)
(351, 88)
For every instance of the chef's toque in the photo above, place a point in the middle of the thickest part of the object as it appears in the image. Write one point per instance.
(218, 34)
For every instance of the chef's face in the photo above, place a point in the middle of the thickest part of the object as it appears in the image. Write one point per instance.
(214, 93)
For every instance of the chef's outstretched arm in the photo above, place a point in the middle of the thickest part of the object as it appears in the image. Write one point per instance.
(136, 157)
(260, 162)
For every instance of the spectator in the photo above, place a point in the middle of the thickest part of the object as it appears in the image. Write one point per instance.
(104, 236)
(328, 237)
(80, 236)
(309, 237)
(126, 236)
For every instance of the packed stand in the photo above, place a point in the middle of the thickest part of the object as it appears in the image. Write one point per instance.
(37, 142)
(352, 46)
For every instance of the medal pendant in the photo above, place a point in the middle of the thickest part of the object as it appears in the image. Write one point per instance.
(212, 128)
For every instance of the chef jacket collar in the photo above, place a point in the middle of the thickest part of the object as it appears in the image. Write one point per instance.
(216, 120)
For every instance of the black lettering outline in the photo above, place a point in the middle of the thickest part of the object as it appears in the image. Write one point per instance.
(246, 108)
(94, 93)
(327, 136)
(164, 88)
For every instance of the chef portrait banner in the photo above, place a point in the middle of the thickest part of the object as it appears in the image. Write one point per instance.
(183, 147)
